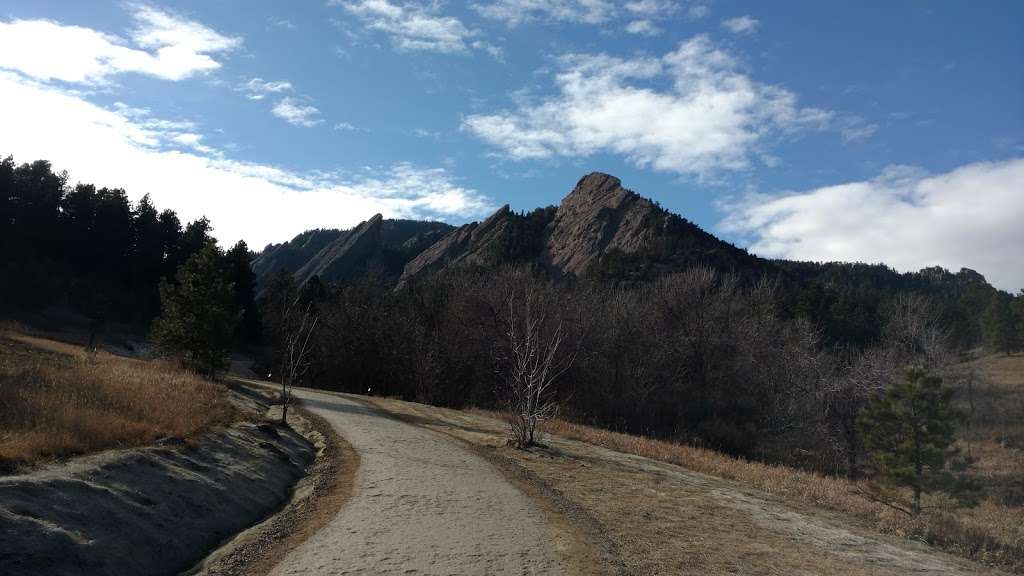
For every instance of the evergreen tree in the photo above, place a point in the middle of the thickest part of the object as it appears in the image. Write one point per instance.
(147, 256)
(239, 270)
(78, 215)
(33, 269)
(1000, 325)
(199, 313)
(111, 247)
(7, 167)
(197, 234)
(908, 433)
(6, 192)
(170, 240)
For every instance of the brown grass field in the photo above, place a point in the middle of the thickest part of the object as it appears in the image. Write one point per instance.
(58, 401)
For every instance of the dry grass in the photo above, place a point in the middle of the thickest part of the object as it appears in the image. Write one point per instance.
(991, 533)
(661, 519)
(57, 401)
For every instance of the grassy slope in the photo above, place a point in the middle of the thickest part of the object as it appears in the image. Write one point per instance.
(56, 401)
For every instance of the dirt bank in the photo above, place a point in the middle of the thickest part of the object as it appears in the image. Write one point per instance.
(315, 501)
(155, 510)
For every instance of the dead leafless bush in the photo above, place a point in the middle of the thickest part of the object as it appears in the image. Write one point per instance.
(298, 322)
(534, 362)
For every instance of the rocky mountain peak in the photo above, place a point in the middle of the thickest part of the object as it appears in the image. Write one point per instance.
(595, 184)
(599, 215)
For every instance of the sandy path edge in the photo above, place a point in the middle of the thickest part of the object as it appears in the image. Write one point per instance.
(315, 500)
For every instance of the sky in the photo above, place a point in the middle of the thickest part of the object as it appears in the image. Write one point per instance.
(859, 131)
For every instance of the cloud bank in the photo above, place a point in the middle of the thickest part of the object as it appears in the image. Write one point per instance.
(128, 148)
(970, 217)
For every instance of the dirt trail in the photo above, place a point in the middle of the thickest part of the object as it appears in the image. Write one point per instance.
(422, 504)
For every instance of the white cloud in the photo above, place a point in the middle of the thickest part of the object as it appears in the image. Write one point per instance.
(641, 14)
(515, 12)
(165, 46)
(143, 118)
(496, 52)
(412, 27)
(125, 147)
(345, 127)
(698, 11)
(643, 27)
(295, 110)
(711, 117)
(855, 129)
(650, 7)
(193, 141)
(282, 23)
(424, 133)
(258, 88)
(741, 25)
(969, 217)
(296, 113)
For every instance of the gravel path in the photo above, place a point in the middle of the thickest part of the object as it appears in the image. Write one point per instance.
(422, 504)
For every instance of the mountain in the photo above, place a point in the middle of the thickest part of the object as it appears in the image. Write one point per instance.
(605, 232)
(293, 254)
(599, 229)
(378, 247)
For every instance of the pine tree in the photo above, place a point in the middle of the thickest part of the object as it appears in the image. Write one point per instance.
(239, 270)
(198, 313)
(147, 259)
(908, 433)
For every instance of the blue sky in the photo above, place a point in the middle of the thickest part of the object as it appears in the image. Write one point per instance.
(872, 131)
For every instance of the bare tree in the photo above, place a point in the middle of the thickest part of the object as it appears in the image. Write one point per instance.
(914, 335)
(296, 329)
(534, 364)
